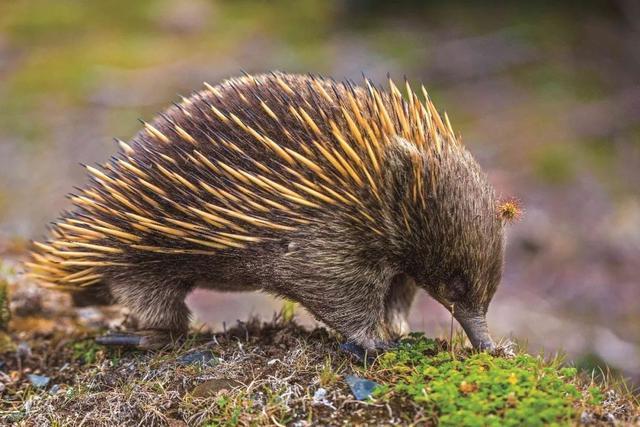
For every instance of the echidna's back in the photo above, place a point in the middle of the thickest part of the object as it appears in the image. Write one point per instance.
(235, 165)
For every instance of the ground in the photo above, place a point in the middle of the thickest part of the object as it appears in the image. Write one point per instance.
(545, 94)
(276, 373)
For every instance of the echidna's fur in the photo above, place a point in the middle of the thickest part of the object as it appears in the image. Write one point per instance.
(340, 197)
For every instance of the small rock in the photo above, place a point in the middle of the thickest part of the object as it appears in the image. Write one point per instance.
(212, 387)
(360, 387)
(54, 389)
(320, 398)
(202, 357)
(39, 381)
(320, 395)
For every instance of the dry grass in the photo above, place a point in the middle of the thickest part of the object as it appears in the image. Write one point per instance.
(271, 372)
(259, 374)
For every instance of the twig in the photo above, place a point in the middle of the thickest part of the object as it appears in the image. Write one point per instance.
(453, 354)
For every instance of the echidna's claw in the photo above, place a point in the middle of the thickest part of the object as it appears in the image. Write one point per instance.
(148, 339)
(356, 351)
(120, 340)
(369, 355)
(382, 346)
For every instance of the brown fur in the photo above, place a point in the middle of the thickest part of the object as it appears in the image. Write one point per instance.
(414, 211)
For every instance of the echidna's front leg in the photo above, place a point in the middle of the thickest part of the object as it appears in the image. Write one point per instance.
(398, 304)
(355, 310)
(160, 311)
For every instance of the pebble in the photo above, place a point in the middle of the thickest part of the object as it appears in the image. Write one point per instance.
(360, 387)
(39, 381)
(320, 395)
(320, 398)
(202, 357)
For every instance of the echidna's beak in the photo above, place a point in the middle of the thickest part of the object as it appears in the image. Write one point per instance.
(476, 329)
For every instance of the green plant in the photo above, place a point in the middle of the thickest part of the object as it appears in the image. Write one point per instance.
(478, 388)
(86, 351)
(595, 395)
(327, 375)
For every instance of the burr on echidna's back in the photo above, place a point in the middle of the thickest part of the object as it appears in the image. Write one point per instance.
(283, 181)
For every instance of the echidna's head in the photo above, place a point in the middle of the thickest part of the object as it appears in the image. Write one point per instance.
(454, 249)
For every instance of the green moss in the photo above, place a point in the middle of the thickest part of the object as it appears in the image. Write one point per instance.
(480, 389)
(595, 396)
(86, 351)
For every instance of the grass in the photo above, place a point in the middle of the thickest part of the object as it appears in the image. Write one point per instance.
(279, 373)
(267, 374)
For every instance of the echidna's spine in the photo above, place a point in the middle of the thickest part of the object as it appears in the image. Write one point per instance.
(241, 163)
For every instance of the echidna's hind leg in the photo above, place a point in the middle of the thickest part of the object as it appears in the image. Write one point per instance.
(398, 304)
(159, 309)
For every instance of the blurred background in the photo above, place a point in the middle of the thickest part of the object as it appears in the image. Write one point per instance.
(546, 95)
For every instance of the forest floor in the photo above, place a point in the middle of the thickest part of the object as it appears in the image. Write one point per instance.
(276, 373)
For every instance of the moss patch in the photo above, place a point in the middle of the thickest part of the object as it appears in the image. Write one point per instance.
(479, 389)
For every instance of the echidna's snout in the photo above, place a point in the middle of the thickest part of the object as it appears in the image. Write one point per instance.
(475, 326)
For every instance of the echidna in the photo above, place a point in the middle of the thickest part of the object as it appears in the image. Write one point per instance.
(344, 198)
